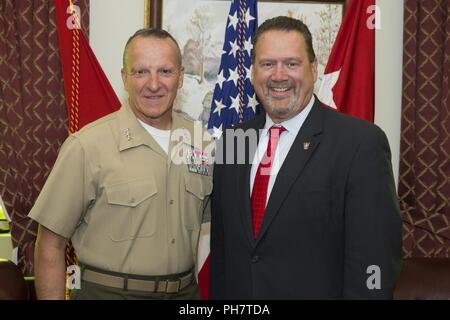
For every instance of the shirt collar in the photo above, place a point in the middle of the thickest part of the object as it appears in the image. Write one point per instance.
(132, 133)
(294, 124)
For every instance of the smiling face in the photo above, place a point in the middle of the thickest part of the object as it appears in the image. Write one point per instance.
(152, 76)
(282, 74)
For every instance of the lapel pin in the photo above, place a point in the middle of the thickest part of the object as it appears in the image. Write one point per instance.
(128, 134)
(306, 145)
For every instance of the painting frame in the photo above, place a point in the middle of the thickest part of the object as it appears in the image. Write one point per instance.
(153, 9)
(195, 97)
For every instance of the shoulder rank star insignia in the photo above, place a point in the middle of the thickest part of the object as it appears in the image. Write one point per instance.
(197, 161)
(306, 145)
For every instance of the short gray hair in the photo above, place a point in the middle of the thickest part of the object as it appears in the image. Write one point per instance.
(151, 33)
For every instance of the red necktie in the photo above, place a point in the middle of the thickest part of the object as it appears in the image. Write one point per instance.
(259, 192)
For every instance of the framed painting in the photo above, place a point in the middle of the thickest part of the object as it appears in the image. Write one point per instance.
(201, 24)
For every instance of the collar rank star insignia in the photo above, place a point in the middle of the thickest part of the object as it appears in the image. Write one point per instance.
(127, 134)
(197, 161)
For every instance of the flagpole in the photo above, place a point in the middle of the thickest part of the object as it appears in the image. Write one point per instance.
(71, 258)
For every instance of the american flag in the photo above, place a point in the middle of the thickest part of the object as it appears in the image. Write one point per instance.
(234, 99)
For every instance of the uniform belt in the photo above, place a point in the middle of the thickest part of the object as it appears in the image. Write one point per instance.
(126, 283)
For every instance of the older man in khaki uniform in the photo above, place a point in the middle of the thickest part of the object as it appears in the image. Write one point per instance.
(130, 190)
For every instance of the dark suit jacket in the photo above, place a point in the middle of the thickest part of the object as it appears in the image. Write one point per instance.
(332, 214)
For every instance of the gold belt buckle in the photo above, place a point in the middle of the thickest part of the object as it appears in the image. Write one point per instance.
(171, 283)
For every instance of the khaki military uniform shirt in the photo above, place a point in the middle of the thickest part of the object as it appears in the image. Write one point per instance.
(126, 205)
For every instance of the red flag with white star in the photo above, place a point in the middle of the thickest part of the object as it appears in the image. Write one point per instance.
(349, 80)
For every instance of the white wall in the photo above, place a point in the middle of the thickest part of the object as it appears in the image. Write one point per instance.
(388, 74)
(113, 21)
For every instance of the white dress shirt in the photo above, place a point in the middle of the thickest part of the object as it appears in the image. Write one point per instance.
(287, 138)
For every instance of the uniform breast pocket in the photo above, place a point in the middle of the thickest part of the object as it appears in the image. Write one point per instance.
(133, 209)
(198, 187)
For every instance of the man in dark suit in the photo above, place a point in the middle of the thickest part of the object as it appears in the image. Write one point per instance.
(304, 204)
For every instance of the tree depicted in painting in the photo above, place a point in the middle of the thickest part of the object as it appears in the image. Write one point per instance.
(326, 35)
(195, 50)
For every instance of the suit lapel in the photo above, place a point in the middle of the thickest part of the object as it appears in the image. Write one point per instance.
(244, 200)
(306, 142)
(244, 180)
